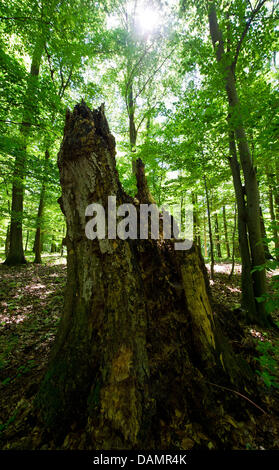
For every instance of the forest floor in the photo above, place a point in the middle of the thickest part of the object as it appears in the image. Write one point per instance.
(31, 302)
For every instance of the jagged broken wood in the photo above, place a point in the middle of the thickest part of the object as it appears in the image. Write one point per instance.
(138, 335)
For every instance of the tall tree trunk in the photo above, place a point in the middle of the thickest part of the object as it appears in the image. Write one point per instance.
(196, 227)
(249, 171)
(276, 192)
(264, 236)
(183, 214)
(217, 237)
(63, 242)
(247, 298)
(38, 236)
(7, 241)
(209, 229)
(53, 248)
(137, 340)
(233, 241)
(273, 218)
(226, 232)
(204, 236)
(143, 194)
(160, 190)
(27, 240)
(132, 125)
(16, 253)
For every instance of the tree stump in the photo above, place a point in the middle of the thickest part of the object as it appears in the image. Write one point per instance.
(138, 341)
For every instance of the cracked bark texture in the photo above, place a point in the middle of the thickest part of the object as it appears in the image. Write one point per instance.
(137, 340)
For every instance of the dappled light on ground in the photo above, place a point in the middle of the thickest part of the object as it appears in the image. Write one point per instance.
(31, 303)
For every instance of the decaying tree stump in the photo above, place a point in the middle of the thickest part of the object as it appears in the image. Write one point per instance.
(138, 341)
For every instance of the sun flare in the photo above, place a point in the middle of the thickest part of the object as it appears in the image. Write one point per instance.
(147, 20)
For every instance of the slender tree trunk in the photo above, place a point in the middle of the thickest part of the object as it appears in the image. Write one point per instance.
(143, 193)
(196, 227)
(16, 254)
(233, 241)
(160, 190)
(53, 245)
(276, 192)
(217, 237)
(38, 236)
(204, 236)
(273, 219)
(253, 206)
(249, 171)
(132, 126)
(7, 241)
(209, 229)
(63, 242)
(136, 312)
(247, 298)
(26, 241)
(38, 239)
(226, 232)
(182, 212)
(195, 236)
(237, 251)
(264, 236)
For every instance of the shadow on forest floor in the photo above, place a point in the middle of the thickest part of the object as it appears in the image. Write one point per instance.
(31, 302)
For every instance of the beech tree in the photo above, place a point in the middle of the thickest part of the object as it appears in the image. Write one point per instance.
(48, 19)
(227, 49)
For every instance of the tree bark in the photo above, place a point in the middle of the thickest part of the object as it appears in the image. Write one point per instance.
(38, 235)
(196, 225)
(226, 232)
(27, 240)
(7, 241)
(204, 236)
(209, 229)
(137, 340)
(132, 126)
(276, 192)
(247, 297)
(63, 241)
(53, 247)
(143, 194)
(233, 241)
(272, 216)
(217, 237)
(264, 236)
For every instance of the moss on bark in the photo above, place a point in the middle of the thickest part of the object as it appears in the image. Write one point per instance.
(138, 341)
